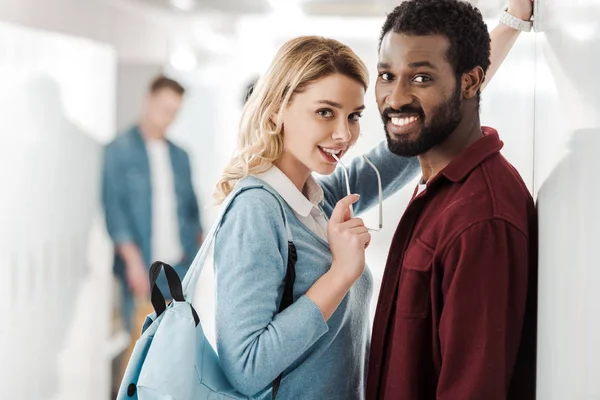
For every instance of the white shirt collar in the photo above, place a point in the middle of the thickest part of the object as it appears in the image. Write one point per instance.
(290, 193)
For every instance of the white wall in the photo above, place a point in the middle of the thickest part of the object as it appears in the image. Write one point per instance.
(56, 111)
(138, 34)
(508, 105)
(567, 143)
(133, 80)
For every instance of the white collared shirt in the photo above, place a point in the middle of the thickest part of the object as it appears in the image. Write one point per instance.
(306, 208)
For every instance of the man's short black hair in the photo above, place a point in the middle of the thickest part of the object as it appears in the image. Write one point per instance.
(457, 20)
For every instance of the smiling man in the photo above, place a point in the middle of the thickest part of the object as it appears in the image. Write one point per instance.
(456, 315)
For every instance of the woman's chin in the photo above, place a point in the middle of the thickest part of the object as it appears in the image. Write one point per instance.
(325, 169)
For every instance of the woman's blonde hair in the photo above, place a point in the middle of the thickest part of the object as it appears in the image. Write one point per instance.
(297, 64)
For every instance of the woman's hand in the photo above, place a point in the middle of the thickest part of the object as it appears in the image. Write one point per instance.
(348, 238)
(522, 9)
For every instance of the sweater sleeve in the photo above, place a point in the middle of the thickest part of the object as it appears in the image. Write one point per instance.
(395, 173)
(485, 290)
(256, 343)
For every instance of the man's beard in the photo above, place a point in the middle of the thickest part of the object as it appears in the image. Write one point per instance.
(444, 121)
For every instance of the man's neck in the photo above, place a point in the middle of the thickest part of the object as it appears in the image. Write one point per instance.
(151, 133)
(436, 159)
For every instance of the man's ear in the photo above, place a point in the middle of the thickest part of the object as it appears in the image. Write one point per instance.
(471, 82)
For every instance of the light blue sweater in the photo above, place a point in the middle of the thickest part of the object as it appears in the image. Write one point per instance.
(320, 360)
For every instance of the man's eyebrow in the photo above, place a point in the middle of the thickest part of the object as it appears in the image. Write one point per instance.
(421, 64)
(338, 105)
(383, 65)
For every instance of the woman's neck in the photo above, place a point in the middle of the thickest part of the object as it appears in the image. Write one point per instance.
(297, 172)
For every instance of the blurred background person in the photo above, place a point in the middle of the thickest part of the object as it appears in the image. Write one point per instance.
(249, 89)
(150, 206)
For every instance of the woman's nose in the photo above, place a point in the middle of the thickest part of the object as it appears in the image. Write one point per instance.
(343, 132)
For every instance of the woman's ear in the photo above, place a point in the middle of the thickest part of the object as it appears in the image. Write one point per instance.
(471, 82)
(273, 118)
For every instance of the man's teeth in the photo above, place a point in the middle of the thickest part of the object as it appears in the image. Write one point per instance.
(331, 151)
(404, 121)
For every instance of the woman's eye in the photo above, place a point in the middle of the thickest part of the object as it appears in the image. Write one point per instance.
(325, 113)
(422, 79)
(355, 116)
(386, 76)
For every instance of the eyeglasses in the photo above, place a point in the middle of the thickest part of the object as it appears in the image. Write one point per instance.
(378, 183)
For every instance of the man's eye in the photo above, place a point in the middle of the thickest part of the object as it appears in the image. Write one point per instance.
(422, 79)
(386, 76)
(325, 113)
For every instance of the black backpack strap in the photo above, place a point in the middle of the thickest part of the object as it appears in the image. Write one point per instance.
(157, 298)
(288, 297)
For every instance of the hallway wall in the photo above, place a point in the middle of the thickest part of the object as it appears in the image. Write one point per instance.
(567, 142)
(56, 108)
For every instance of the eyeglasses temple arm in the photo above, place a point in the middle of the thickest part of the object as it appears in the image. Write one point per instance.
(380, 190)
(347, 181)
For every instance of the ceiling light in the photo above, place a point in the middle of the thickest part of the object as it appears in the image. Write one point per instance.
(183, 59)
(286, 7)
(212, 41)
(185, 5)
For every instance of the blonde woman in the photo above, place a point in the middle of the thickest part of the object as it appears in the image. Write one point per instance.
(306, 107)
(302, 115)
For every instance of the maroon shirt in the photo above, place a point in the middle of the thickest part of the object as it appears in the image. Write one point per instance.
(456, 317)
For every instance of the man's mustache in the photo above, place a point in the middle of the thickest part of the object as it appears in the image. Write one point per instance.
(405, 111)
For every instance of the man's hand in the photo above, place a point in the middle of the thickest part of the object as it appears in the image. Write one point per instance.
(137, 280)
(135, 271)
(522, 9)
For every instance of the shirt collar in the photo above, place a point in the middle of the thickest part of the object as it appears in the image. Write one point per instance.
(301, 205)
(489, 145)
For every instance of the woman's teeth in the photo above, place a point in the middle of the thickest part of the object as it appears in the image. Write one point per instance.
(404, 121)
(331, 151)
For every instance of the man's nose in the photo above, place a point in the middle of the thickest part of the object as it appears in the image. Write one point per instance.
(399, 96)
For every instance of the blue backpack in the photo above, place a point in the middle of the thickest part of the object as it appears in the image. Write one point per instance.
(172, 359)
